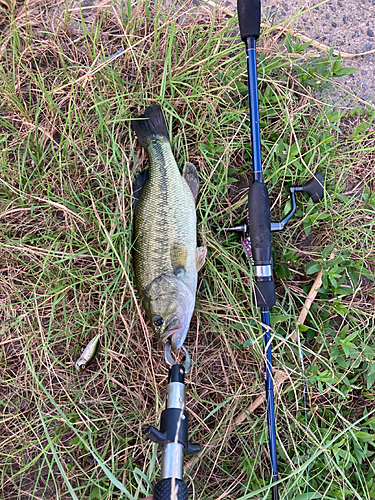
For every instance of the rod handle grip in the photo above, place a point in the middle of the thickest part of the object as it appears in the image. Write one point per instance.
(249, 18)
(259, 220)
(260, 239)
(163, 490)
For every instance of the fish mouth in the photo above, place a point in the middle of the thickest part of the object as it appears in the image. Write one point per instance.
(171, 329)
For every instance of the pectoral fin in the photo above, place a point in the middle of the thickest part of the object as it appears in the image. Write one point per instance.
(200, 257)
(178, 259)
(139, 182)
(190, 175)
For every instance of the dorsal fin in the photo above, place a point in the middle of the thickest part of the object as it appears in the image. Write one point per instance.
(138, 184)
(191, 177)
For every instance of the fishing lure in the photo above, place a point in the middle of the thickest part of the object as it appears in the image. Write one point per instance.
(88, 353)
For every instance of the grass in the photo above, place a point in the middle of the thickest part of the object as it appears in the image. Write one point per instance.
(68, 161)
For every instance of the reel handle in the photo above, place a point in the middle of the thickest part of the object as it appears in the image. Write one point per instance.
(249, 18)
(163, 489)
(315, 187)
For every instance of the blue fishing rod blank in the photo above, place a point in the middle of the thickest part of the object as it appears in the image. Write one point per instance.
(265, 317)
(254, 107)
(260, 219)
(257, 234)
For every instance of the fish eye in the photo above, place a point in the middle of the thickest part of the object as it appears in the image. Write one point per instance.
(158, 320)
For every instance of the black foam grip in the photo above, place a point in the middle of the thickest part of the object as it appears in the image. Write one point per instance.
(259, 220)
(249, 18)
(260, 239)
(163, 490)
(265, 295)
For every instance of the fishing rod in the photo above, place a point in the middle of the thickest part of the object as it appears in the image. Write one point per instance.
(173, 434)
(257, 231)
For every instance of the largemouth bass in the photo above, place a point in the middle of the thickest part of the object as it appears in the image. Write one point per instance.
(165, 253)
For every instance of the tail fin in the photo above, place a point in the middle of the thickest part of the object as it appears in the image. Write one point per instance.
(150, 125)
